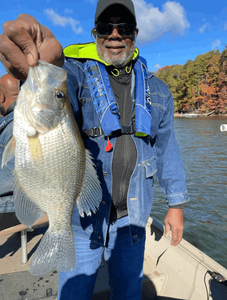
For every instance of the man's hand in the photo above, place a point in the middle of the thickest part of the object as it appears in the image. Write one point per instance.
(174, 221)
(23, 42)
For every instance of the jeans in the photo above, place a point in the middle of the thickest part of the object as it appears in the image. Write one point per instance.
(124, 261)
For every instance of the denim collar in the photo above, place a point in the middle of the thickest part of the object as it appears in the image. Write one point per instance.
(5, 121)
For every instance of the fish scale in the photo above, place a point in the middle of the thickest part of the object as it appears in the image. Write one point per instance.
(53, 170)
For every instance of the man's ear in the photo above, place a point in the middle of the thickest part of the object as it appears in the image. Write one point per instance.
(136, 32)
(94, 32)
(2, 98)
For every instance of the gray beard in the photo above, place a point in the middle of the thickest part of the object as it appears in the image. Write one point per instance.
(117, 62)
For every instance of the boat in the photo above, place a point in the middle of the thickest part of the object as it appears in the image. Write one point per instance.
(190, 115)
(170, 273)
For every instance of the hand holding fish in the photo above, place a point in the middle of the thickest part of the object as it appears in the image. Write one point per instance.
(24, 41)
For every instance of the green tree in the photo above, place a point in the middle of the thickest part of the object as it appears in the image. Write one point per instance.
(172, 76)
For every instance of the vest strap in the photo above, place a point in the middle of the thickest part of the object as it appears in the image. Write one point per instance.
(93, 132)
(97, 131)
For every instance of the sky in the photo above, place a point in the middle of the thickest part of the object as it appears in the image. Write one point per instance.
(170, 32)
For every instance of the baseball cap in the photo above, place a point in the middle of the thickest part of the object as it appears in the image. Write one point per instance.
(104, 4)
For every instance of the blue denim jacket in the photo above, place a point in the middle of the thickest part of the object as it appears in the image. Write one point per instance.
(6, 180)
(159, 157)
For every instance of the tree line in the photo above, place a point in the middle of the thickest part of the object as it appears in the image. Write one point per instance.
(199, 85)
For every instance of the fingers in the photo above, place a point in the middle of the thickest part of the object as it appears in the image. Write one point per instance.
(23, 42)
(177, 235)
(13, 59)
(17, 47)
(50, 50)
(23, 35)
(40, 42)
(167, 230)
(174, 221)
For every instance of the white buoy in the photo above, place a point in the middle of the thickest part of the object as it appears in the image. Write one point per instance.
(223, 127)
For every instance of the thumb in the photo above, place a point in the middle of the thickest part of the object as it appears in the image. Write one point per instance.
(31, 59)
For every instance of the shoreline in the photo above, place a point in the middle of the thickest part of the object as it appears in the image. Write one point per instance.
(195, 115)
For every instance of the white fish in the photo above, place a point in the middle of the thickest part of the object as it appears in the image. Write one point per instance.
(52, 168)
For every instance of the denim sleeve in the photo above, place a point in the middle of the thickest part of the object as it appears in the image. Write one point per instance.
(6, 174)
(73, 78)
(170, 172)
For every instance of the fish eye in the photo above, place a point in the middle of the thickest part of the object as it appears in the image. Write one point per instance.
(60, 95)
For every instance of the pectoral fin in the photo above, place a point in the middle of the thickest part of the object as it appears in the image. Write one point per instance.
(91, 192)
(9, 151)
(35, 148)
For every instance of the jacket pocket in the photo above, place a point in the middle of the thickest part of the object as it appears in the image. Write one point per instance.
(150, 167)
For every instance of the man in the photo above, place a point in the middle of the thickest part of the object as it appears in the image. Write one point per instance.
(9, 87)
(125, 115)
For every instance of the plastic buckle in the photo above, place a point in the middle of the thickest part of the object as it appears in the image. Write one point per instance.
(97, 131)
(127, 130)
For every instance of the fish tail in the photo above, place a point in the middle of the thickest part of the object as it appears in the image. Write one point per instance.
(56, 250)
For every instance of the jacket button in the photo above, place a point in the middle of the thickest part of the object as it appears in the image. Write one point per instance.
(103, 202)
(82, 101)
(99, 237)
(104, 173)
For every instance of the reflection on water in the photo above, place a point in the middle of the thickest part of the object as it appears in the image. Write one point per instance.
(204, 153)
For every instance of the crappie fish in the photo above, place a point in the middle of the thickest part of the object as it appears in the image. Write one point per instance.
(53, 170)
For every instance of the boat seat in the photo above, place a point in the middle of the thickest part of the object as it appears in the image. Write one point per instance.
(23, 232)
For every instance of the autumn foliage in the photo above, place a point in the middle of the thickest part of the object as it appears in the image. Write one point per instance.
(199, 85)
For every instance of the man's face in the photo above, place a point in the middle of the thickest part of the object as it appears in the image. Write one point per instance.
(115, 49)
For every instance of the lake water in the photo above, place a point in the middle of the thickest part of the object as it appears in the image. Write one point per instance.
(204, 153)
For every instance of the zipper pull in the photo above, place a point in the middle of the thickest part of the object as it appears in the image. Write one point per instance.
(109, 145)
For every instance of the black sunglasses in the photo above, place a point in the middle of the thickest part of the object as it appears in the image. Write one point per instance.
(124, 29)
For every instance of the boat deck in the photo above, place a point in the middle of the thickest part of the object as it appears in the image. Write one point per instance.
(16, 283)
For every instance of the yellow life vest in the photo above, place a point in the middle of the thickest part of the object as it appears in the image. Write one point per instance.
(88, 51)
